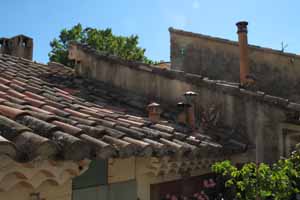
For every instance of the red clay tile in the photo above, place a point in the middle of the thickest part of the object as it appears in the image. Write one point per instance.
(35, 109)
(3, 87)
(134, 123)
(16, 100)
(73, 130)
(118, 122)
(8, 74)
(102, 110)
(55, 104)
(71, 91)
(85, 107)
(3, 95)
(34, 102)
(4, 81)
(77, 114)
(10, 112)
(34, 89)
(16, 94)
(56, 111)
(61, 91)
(34, 96)
(17, 87)
(17, 82)
(67, 96)
(2, 100)
(94, 114)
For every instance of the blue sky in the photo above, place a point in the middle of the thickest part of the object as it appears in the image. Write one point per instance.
(270, 21)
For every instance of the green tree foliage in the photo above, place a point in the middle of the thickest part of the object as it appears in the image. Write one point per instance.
(280, 181)
(102, 40)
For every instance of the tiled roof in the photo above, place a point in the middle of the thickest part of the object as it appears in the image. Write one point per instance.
(46, 111)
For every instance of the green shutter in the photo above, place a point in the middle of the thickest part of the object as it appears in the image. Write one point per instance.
(96, 175)
(92, 193)
(123, 191)
(117, 191)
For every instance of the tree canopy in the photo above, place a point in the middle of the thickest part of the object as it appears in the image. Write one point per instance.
(102, 40)
(279, 181)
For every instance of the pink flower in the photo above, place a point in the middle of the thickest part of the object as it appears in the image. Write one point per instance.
(173, 197)
(206, 184)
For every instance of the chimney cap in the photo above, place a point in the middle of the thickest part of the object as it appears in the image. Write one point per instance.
(242, 26)
(190, 93)
(153, 104)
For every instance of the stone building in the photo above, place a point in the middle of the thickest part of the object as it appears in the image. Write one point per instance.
(277, 72)
(113, 129)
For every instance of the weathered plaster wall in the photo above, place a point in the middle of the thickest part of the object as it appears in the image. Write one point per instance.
(51, 180)
(249, 113)
(277, 73)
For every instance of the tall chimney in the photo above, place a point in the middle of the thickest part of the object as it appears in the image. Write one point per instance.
(243, 45)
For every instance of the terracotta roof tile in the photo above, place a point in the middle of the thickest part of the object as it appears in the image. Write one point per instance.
(35, 109)
(3, 87)
(75, 113)
(34, 102)
(134, 123)
(75, 131)
(4, 81)
(56, 111)
(33, 95)
(10, 112)
(15, 93)
(19, 82)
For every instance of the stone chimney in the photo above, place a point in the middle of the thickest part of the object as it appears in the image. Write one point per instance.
(154, 112)
(243, 46)
(19, 46)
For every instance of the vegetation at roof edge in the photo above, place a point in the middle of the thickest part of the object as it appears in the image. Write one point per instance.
(103, 40)
(278, 181)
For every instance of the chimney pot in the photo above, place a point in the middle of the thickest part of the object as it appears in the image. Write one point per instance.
(242, 27)
(154, 112)
(187, 114)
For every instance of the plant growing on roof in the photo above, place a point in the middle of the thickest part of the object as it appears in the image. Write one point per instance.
(279, 181)
(102, 40)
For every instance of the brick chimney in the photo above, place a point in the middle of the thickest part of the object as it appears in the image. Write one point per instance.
(243, 46)
(154, 112)
(19, 46)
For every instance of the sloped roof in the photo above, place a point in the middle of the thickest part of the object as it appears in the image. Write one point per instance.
(46, 111)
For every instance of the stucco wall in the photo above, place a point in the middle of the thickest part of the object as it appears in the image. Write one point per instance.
(277, 73)
(250, 113)
(49, 179)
